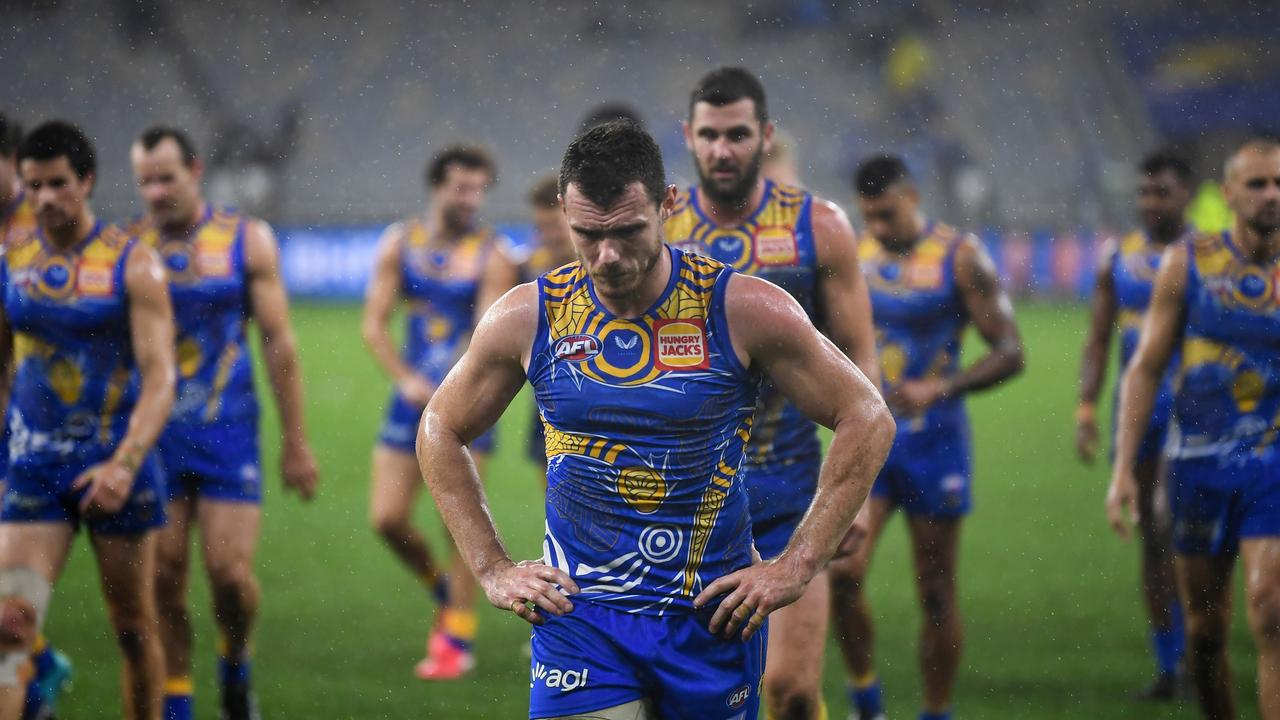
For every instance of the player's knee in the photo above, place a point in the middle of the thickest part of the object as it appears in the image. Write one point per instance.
(171, 581)
(1206, 631)
(1264, 616)
(232, 578)
(791, 697)
(391, 525)
(24, 601)
(847, 574)
(938, 603)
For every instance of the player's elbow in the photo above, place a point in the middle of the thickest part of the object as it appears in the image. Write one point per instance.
(1016, 357)
(436, 437)
(871, 421)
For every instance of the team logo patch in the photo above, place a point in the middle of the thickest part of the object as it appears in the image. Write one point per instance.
(738, 697)
(576, 348)
(213, 264)
(94, 280)
(643, 489)
(776, 245)
(924, 275)
(681, 345)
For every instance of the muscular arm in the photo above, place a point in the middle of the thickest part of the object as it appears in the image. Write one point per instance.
(1093, 366)
(772, 333)
(380, 301)
(843, 290)
(151, 326)
(468, 402)
(992, 314)
(270, 307)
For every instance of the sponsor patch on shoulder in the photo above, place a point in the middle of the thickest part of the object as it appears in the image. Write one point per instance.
(681, 345)
(94, 279)
(577, 347)
(776, 245)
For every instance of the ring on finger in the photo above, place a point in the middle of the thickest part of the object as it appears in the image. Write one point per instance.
(516, 605)
(756, 620)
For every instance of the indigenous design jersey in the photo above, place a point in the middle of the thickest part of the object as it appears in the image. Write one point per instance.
(646, 423)
(72, 350)
(18, 219)
(1228, 389)
(209, 288)
(441, 306)
(775, 243)
(919, 317)
(1133, 274)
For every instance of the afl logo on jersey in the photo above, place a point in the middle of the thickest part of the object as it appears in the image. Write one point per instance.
(576, 348)
(681, 345)
(738, 697)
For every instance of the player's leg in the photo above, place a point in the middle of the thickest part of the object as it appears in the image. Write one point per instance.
(172, 568)
(1261, 557)
(797, 638)
(935, 545)
(229, 530)
(127, 566)
(32, 555)
(1159, 587)
(1205, 581)
(396, 484)
(854, 629)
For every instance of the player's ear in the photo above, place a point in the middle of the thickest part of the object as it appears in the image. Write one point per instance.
(197, 169)
(768, 137)
(669, 201)
(88, 181)
(688, 134)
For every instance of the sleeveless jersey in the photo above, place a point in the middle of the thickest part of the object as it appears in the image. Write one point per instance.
(1133, 274)
(775, 243)
(209, 289)
(18, 219)
(441, 308)
(646, 423)
(73, 387)
(919, 317)
(1228, 391)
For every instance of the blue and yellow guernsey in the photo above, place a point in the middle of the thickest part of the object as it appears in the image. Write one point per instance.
(646, 422)
(18, 219)
(775, 243)
(1228, 387)
(72, 350)
(919, 318)
(1133, 273)
(441, 303)
(209, 288)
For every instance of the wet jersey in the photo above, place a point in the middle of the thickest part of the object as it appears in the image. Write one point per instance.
(18, 219)
(919, 317)
(1133, 273)
(208, 283)
(776, 243)
(646, 422)
(73, 389)
(441, 305)
(1228, 387)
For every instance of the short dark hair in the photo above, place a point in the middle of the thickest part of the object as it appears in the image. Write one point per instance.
(10, 136)
(605, 112)
(472, 157)
(878, 173)
(545, 193)
(154, 135)
(727, 85)
(605, 160)
(55, 139)
(1162, 160)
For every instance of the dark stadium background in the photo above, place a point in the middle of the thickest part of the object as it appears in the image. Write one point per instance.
(1023, 120)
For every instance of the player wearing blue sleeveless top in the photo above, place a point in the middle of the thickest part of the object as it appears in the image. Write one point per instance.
(928, 283)
(806, 246)
(645, 362)
(88, 329)
(1121, 294)
(433, 264)
(224, 272)
(1215, 309)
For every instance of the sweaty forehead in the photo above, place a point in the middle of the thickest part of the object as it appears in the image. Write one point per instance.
(165, 154)
(737, 113)
(632, 206)
(32, 168)
(1254, 164)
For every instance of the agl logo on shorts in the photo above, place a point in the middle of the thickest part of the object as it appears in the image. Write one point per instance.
(555, 678)
(680, 345)
(576, 348)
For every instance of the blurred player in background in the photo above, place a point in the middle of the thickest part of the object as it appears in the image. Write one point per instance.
(1120, 297)
(1215, 309)
(433, 262)
(224, 271)
(780, 160)
(645, 361)
(928, 283)
(17, 208)
(88, 329)
(806, 246)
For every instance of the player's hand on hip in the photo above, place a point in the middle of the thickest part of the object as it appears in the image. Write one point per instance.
(298, 469)
(1122, 501)
(416, 389)
(529, 589)
(915, 396)
(750, 595)
(106, 487)
(1087, 439)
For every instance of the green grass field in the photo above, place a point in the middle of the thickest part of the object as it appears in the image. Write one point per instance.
(1055, 628)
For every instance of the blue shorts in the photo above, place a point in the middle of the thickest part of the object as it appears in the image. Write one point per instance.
(220, 462)
(1215, 506)
(928, 473)
(400, 429)
(597, 657)
(779, 495)
(44, 494)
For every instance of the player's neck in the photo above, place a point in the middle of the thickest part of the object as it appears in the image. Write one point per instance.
(72, 234)
(1166, 235)
(919, 226)
(635, 304)
(1255, 246)
(184, 226)
(442, 232)
(733, 213)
